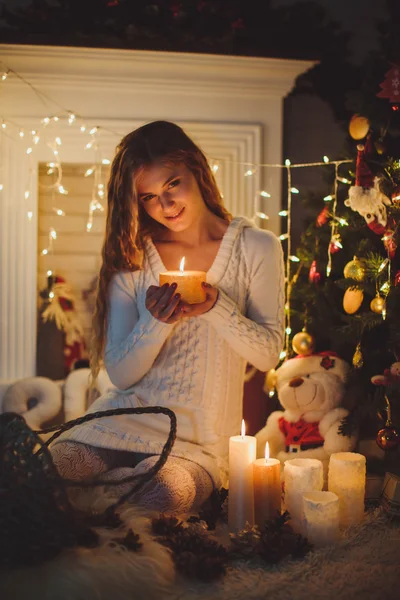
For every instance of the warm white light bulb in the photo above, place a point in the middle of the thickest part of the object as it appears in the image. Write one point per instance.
(262, 215)
(265, 194)
(294, 258)
(283, 213)
(105, 161)
(294, 190)
(326, 159)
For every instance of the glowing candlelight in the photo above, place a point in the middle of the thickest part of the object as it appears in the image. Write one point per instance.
(267, 488)
(189, 283)
(346, 479)
(242, 453)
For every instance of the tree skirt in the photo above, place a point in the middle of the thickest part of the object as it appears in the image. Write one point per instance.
(363, 565)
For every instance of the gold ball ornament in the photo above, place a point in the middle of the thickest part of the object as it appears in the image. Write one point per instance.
(352, 300)
(377, 305)
(388, 438)
(270, 380)
(354, 270)
(358, 127)
(303, 343)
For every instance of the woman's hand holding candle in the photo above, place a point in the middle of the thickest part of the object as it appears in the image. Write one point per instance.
(193, 310)
(164, 303)
(189, 283)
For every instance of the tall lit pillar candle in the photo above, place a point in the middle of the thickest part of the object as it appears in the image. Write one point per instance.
(242, 454)
(301, 475)
(189, 283)
(267, 488)
(346, 479)
(321, 517)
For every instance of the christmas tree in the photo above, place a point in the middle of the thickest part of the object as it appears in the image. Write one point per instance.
(345, 293)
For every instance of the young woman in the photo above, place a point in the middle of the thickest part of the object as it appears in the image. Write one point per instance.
(163, 204)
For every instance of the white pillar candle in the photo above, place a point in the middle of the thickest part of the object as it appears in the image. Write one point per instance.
(188, 283)
(267, 488)
(242, 454)
(346, 479)
(301, 475)
(321, 517)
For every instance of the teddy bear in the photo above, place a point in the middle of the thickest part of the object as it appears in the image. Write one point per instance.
(310, 389)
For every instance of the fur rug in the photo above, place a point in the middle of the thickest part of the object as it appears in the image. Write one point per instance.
(363, 565)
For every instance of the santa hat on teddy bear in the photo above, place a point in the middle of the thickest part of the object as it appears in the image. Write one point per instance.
(320, 362)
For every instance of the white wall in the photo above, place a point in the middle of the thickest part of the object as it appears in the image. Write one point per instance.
(231, 105)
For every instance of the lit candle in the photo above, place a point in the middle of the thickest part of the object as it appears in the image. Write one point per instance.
(346, 479)
(301, 475)
(321, 516)
(189, 283)
(242, 454)
(267, 488)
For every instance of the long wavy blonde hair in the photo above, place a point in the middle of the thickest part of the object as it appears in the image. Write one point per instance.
(128, 224)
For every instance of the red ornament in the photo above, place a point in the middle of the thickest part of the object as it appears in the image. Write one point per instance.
(322, 217)
(364, 176)
(391, 86)
(314, 276)
(397, 278)
(333, 248)
(395, 107)
(388, 438)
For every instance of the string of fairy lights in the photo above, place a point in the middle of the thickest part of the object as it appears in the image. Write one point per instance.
(46, 133)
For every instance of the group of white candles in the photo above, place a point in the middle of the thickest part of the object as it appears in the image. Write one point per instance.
(255, 491)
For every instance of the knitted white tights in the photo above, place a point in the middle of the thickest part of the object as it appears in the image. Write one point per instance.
(180, 486)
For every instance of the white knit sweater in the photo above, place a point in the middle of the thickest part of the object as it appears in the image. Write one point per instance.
(195, 367)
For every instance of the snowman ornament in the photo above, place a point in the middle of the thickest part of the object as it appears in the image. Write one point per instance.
(310, 389)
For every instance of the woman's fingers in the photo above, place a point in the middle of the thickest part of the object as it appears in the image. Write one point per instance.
(193, 310)
(162, 302)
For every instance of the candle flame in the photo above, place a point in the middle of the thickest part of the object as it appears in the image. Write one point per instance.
(182, 265)
(243, 431)
(266, 451)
